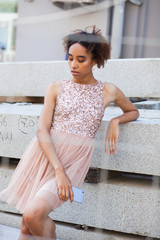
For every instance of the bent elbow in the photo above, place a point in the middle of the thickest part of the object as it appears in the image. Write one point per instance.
(136, 114)
(40, 132)
(43, 135)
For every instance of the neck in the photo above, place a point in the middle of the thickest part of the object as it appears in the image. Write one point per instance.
(86, 80)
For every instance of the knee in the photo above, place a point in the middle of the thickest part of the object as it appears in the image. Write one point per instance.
(54, 226)
(32, 218)
(24, 229)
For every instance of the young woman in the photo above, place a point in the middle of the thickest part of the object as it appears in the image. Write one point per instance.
(59, 157)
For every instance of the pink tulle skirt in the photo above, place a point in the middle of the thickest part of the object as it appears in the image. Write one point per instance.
(35, 177)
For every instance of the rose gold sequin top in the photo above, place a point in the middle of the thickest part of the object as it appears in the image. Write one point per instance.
(79, 108)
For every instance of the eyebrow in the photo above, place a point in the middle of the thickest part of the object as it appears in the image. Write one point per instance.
(77, 56)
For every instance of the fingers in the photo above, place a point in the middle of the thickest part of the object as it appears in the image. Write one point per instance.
(60, 193)
(106, 146)
(112, 145)
(112, 136)
(65, 194)
(71, 195)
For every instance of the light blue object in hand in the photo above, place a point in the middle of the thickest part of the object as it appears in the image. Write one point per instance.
(78, 194)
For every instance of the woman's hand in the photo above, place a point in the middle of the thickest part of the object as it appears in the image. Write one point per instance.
(64, 185)
(112, 136)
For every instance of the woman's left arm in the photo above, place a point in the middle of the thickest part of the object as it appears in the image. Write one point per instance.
(130, 113)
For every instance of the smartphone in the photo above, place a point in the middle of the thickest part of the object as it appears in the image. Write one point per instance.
(78, 194)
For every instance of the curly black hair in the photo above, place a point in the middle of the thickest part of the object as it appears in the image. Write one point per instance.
(93, 41)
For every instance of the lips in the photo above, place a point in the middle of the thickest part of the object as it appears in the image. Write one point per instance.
(74, 73)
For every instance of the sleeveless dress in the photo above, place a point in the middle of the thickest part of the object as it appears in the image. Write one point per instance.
(77, 116)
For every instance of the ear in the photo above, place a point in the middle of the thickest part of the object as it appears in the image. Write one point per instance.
(93, 63)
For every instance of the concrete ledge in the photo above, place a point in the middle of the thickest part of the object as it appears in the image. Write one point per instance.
(123, 204)
(32, 78)
(137, 152)
(118, 205)
(69, 233)
(10, 220)
(64, 232)
(148, 105)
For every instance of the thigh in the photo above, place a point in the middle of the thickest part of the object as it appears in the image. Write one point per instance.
(38, 206)
(49, 191)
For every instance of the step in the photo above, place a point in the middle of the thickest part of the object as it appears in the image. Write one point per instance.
(128, 204)
(71, 233)
(11, 233)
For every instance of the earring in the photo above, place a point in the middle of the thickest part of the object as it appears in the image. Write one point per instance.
(93, 68)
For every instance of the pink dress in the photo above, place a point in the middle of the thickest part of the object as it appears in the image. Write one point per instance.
(77, 116)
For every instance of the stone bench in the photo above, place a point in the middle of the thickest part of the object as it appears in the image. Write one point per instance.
(125, 203)
(135, 77)
(138, 152)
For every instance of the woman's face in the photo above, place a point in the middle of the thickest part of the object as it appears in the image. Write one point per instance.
(80, 61)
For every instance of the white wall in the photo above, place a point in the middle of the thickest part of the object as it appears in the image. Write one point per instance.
(42, 25)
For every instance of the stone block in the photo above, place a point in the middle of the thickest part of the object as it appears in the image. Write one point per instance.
(148, 105)
(70, 233)
(118, 205)
(138, 145)
(10, 220)
(127, 75)
(124, 204)
(63, 232)
(18, 125)
(137, 152)
(32, 78)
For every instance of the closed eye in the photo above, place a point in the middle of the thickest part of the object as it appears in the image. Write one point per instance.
(81, 60)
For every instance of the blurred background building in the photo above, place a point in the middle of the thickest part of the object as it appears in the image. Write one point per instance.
(32, 30)
(8, 26)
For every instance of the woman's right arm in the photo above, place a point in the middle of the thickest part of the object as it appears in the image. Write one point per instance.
(45, 140)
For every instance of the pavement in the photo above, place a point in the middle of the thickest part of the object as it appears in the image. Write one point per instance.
(10, 233)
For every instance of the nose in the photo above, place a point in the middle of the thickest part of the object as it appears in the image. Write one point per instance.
(74, 64)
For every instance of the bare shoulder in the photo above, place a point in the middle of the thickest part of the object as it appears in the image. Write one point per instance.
(113, 91)
(110, 92)
(113, 94)
(109, 87)
(53, 89)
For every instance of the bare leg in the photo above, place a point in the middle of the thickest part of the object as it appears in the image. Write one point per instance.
(36, 219)
(25, 233)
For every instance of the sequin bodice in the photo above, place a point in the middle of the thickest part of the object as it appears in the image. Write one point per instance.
(79, 108)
